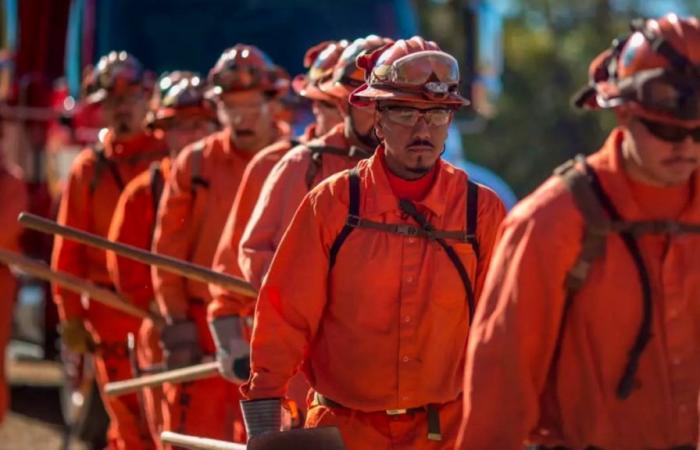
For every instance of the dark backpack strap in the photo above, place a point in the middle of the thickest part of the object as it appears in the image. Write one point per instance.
(157, 185)
(317, 152)
(409, 208)
(101, 163)
(196, 178)
(353, 215)
(599, 214)
(626, 384)
(472, 215)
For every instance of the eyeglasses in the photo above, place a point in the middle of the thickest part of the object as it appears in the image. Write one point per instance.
(404, 115)
(671, 133)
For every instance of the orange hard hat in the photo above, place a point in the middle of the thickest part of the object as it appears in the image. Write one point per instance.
(246, 67)
(179, 94)
(346, 74)
(654, 72)
(115, 71)
(320, 60)
(412, 70)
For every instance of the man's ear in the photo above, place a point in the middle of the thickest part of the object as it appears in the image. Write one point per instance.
(378, 127)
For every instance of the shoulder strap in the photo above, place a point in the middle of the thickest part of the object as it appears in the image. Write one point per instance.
(472, 215)
(157, 185)
(316, 162)
(596, 221)
(196, 179)
(101, 162)
(353, 215)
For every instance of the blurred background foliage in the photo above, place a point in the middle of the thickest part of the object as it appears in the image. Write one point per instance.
(547, 46)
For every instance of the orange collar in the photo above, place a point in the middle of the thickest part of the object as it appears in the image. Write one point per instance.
(379, 196)
(414, 190)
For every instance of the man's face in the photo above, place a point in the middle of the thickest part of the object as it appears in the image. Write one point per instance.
(124, 111)
(327, 115)
(413, 134)
(183, 131)
(651, 156)
(251, 116)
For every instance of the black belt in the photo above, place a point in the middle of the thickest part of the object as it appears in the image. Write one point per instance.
(434, 433)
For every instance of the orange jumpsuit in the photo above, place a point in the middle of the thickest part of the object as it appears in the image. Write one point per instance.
(13, 194)
(223, 301)
(385, 328)
(518, 319)
(133, 223)
(226, 257)
(88, 201)
(189, 223)
(281, 194)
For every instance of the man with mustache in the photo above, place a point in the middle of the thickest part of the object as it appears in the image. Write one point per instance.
(588, 329)
(320, 60)
(246, 87)
(305, 166)
(96, 180)
(374, 284)
(182, 114)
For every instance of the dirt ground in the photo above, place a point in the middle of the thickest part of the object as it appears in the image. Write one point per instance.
(34, 421)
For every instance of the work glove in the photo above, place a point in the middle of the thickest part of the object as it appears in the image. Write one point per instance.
(75, 337)
(232, 350)
(261, 416)
(180, 344)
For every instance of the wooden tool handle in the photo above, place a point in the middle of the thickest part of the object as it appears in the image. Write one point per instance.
(75, 284)
(191, 373)
(174, 265)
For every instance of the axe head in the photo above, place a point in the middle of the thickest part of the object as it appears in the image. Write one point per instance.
(324, 438)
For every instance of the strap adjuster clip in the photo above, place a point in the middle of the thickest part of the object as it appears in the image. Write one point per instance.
(406, 229)
(353, 221)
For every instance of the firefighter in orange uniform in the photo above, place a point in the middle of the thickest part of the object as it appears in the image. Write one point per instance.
(587, 335)
(377, 277)
(246, 87)
(183, 115)
(305, 166)
(96, 180)
(320, 60)
(14, 199)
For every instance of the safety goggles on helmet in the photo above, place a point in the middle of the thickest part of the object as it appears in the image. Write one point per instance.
(666, 91)
(671, 133)
(408, 116)
(430, 72)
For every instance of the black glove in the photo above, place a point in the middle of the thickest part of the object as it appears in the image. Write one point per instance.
(180, 344)
(262, 416)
